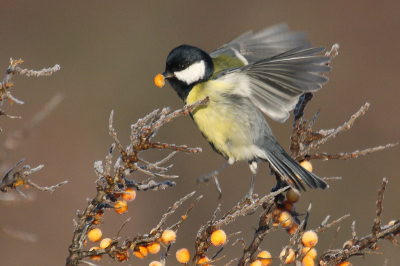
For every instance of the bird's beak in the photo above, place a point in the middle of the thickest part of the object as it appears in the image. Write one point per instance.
(159, 80)
(168, 74)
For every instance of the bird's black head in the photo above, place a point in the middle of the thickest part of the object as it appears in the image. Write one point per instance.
(187, 66)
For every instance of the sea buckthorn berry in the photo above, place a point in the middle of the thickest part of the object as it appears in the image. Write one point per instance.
(140, 252)
(168, 236)
(121, 207)
(292, 195)
(392, 222)
(265, 258)
(159, 80)
(105, 243)
(95, 235)
(307, 261)
(131, 196)
(122, 255)
(153, 248)
(155, 263)
(309, 239)
(95, 257)
(309, 252)
(292, 229)
(183, 255)
(290, 258)
(288, 206)
(306, 165)
(256, 263)
(203, 260)
(285, 219)
(218, 237)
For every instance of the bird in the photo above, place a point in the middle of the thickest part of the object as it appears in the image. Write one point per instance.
(257, 73)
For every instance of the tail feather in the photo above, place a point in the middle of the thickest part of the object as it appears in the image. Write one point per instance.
(292, 171)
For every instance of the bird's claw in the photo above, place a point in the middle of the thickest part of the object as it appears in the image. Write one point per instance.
(205, 178)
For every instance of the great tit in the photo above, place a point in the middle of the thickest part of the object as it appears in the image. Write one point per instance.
(257, 72)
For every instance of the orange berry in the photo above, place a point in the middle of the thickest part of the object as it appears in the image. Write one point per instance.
(141, 252)
(95, 235)
(309, 239)
(121, 207)
(155, 263)
(131, 196)
(159, 80)
(285, 219)
(310, 252)
(307, 261)
(153, 248)
(264, 257)
(288, 206)
(292, 195)
(290, 258)
(256, 263)
(218, 237)
(392, 222)
(122, 256)
(306, 165)
(292, 229)
(168, 236)
(105, 243)
(183, 255)
(95, 257)
(345, 263)
(203, 260)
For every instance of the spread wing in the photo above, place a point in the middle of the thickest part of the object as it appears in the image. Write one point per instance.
(274, 84)
(252, 46)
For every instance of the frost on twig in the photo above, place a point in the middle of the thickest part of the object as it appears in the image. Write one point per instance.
(19, 178)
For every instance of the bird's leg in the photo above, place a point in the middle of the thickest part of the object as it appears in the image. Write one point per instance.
(213, 175)
(206, 178)
(253, 168)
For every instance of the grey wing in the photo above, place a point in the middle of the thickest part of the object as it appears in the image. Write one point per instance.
(275, 84)
(254, 46)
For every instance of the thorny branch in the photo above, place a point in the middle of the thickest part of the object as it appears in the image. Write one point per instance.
(20, 178)
(112, 180)
(362, 246)
(303, 138)
(243, 208)
(7, 84)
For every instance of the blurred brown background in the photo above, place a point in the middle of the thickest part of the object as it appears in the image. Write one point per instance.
(110, 51)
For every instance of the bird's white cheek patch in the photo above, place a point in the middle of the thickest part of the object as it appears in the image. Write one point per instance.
(193, 73)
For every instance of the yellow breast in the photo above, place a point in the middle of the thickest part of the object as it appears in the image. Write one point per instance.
(217, 122)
